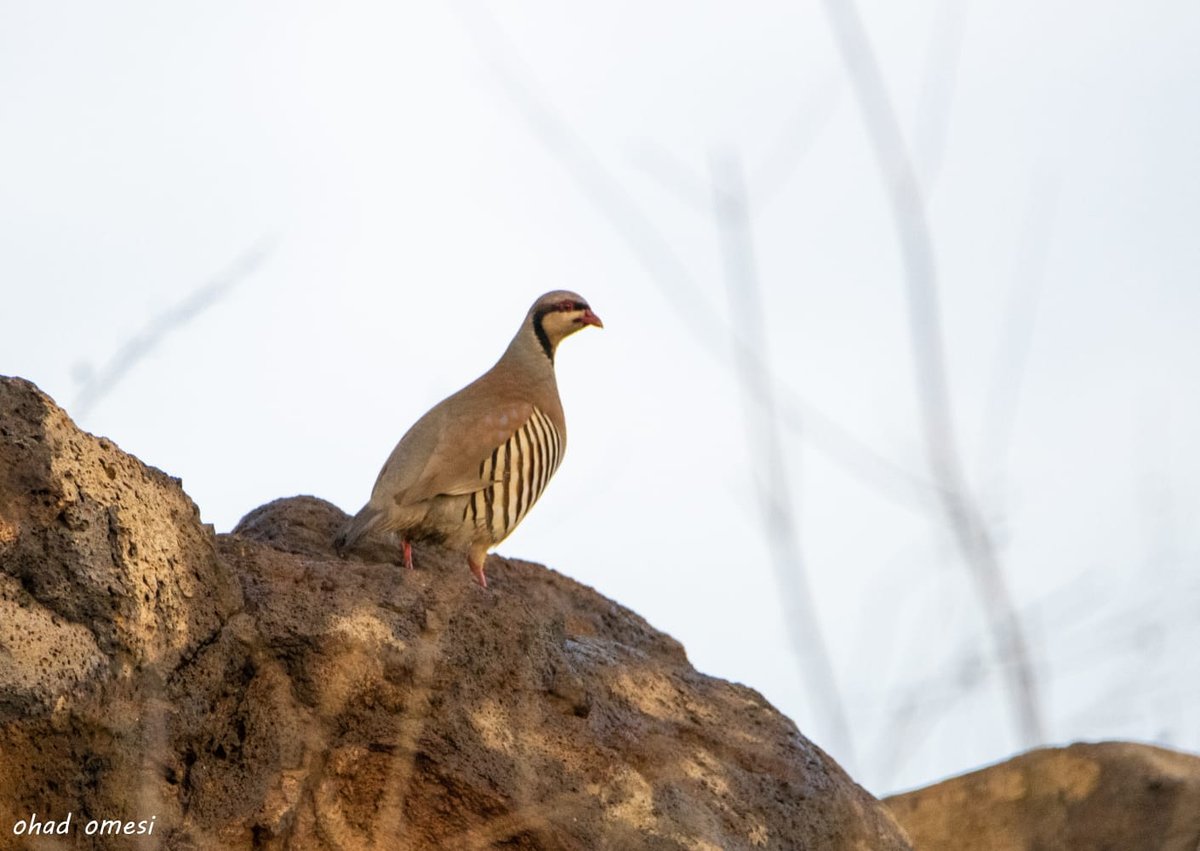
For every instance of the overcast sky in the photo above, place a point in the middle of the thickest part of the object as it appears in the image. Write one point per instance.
(412, 176)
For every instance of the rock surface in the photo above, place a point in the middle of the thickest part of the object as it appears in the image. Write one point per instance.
(252, 690)
(1115, 795)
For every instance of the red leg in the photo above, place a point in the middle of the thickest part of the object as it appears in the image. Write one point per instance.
(408, 555)
(477, 571)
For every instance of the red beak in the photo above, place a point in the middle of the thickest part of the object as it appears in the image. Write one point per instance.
(590, 318)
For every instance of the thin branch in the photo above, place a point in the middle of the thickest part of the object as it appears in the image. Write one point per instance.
(917, 714)
(929, 361)
(765, 180)
(145, 341)
(810, 423)
(440, 608)
(1016, 340)
(793, 144)
(937, 90)
(679, 181)
(731, 211)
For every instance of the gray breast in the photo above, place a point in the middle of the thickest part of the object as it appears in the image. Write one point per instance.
(519, 469)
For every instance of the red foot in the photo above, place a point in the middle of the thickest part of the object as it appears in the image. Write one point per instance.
(408, 555)
(477, 572)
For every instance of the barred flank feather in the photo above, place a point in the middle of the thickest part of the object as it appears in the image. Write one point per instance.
(519, 469)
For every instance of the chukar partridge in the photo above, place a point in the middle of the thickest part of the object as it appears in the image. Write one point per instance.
(470, 469)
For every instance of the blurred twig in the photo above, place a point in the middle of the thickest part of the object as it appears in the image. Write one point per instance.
(439, 610)
(1012, 356)
(937, 91)
(731, 211)
(142, 343)
(793, 144)
(779, 162)
(916, 714)
(1072, 606)
(942, 449)
(680, 182)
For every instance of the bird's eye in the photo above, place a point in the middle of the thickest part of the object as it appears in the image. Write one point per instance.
(567, 305)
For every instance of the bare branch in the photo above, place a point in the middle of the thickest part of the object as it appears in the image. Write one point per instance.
(731, 210)
(142, 343)
(765, 180)
(937, 91)
(1016, 338)
(924, 314)
(799, 134)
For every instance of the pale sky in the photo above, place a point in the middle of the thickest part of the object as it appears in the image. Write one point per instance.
(421, 173)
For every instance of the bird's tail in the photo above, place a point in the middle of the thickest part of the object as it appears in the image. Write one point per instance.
(356, 528)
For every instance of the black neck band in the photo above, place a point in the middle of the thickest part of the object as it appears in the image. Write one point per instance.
(540, 332)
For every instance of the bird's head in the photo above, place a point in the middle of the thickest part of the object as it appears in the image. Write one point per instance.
(557, 315)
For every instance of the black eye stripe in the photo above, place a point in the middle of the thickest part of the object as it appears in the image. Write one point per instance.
(539, 316)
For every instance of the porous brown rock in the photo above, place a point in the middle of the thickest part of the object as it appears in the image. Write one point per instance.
(1086, 797)
(252, 690)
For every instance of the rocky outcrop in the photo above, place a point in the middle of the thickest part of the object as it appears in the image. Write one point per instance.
(252, 690)
(1087, 796)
